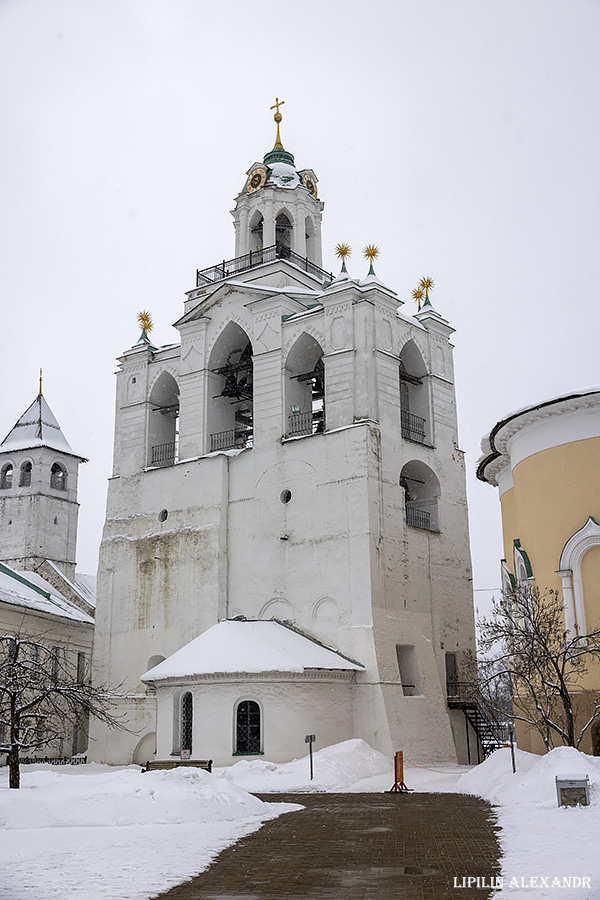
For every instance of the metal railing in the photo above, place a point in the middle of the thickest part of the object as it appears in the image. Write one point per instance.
(53, 760)
(419, 518)
(230, 440)
(164, 454)
(230, 267)
(412, 427)
(306, 423)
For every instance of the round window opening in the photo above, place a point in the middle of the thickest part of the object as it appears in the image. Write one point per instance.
(285, 496)
(163, 515)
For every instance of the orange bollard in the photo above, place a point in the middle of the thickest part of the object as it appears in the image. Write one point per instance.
(399, 786)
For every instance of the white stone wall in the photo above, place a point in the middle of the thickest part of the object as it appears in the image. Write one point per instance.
(291, 707)
(338, 559)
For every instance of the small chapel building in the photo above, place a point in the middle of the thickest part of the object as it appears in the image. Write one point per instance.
(286, 543)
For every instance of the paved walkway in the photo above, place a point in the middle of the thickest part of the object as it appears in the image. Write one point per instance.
(357, 847)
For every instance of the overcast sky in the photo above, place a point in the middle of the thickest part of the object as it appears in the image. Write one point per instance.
(460, 136)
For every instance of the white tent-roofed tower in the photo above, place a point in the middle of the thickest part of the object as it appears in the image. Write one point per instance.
(38, 493)
(295, 458)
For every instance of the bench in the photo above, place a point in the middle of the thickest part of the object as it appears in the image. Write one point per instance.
(154, 764)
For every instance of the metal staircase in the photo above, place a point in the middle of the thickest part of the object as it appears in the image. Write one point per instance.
(489, 735)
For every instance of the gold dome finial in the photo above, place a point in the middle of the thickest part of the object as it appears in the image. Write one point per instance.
(278, 117)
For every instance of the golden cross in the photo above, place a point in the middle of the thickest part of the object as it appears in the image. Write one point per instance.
(278, 117)
(277, 104)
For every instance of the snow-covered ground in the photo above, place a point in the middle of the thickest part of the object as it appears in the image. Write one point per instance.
(115, 834)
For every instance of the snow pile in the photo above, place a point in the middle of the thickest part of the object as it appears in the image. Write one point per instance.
(543, 845)
(346, 767)
(126, 797)
(534, 781)
(117, 834)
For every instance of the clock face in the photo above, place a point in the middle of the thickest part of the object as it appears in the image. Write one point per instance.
(309, 183)
(256, 179)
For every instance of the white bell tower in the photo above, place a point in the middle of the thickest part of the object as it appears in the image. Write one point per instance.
(38, 493)
(278, 209)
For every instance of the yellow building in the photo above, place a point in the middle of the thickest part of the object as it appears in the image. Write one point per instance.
(545, 462)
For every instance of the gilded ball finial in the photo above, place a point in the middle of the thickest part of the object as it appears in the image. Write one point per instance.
(145, 320)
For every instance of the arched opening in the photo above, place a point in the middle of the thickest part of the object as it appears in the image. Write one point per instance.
(163, 425)
(309, 231)
(247, 727)
(305, 387)
(230, 418)
(6, 476)
(58, 477)
(283, 235)
(414, 396)
(187, 714)
(255, 242)
(421, 494)
(25, 474)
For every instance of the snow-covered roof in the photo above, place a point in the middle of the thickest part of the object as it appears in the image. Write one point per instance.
(37, 427)
(250, 646)
(86, 585)
(30, 591)
(283, 175)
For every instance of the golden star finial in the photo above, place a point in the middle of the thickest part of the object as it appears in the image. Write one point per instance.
(342, 251)
(278, 117)
(418, 295)
(371, 252)
(145, 320)
(426, 283)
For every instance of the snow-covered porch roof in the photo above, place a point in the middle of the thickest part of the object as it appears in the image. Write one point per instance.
(251, 646)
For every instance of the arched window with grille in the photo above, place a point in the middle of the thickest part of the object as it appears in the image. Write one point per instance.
(187, 713)
(247, 727)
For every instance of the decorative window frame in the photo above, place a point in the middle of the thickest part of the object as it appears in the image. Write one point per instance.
(508, 582)
(570, 573)
(522, 564)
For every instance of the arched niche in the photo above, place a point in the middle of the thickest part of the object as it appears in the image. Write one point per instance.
(231, 394)
(421, 494)
(163, 424)
(278, 608)
(305, 387)
(415, 419)
(326, 615)
(145, 749)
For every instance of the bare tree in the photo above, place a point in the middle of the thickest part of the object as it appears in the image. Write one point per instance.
(525, 640)
(43, 692)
